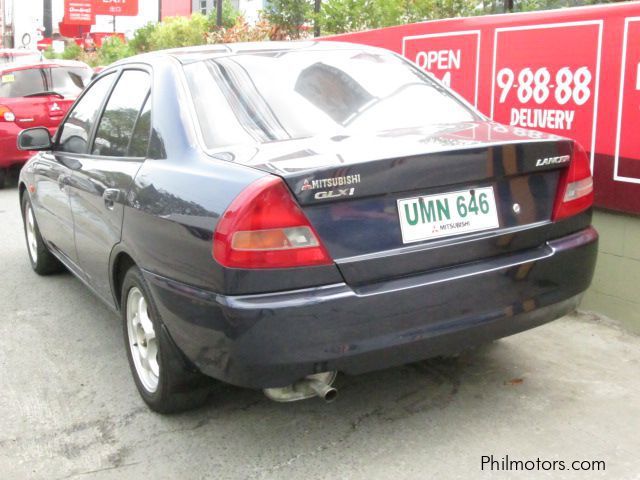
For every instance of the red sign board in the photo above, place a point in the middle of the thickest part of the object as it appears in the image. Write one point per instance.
(79, 12)
(627, 163)
(543, 90)
(116, 7)
(573, 72)
(451, 57)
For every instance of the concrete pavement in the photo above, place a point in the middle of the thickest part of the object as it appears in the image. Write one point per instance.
(566, 391)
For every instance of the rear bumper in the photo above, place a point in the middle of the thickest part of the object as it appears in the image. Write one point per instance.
(271, 340)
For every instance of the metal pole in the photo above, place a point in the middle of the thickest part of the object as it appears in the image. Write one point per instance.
(46, 19)
(316, 24)
(219, 13)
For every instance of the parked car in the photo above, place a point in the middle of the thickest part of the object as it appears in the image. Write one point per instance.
(35, 94)
(270, 214)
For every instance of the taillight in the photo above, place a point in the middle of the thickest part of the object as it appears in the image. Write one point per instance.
(265, 228)
(575, 190)
(6, 115)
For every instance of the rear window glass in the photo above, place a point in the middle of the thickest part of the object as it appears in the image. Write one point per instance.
(268, 96)
(22, 82)
(70, 81)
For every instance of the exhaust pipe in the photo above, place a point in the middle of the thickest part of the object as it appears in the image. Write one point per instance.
(316, 385)
(323, 390)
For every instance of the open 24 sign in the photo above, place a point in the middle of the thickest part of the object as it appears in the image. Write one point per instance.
(535, 87)
(451, 57)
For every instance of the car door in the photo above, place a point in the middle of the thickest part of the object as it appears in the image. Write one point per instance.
(52, 170)
(100, 184)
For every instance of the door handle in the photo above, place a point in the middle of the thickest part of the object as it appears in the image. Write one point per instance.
(63, 181)
(110, 197)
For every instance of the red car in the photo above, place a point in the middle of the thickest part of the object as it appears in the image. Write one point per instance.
(35, 95)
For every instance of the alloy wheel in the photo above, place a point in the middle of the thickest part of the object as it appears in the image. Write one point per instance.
(143, 342)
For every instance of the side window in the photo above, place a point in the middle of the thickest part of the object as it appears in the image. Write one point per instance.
(116, 127)
(74, 133)
(70, 81)
(140, 139)
(22, 82)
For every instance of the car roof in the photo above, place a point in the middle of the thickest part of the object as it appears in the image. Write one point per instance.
(187, 55)
(21, 65)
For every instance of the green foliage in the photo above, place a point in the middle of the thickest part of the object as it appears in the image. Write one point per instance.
(49, 53)
(141, 41)
(531, 5)
(113, 49)
(340, 16)
(72, 51)
(229, 16)
(176, 32)
(289, 16)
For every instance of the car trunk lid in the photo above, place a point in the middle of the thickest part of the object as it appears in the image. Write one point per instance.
(362, 193)
(23, 91)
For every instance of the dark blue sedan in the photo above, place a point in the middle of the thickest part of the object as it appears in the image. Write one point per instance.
(271, 214)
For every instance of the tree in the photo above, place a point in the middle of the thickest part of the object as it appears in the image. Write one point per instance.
(229, 15)
(289, 16)
(341, 16)
(176, 32)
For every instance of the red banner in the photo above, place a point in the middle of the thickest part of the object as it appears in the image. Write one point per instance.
(79, 12)
(627, 163)
(543, 90)
(127, 8)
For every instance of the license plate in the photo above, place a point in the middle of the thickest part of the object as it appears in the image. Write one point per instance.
(445, 214)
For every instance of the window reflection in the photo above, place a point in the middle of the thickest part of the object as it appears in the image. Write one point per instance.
(70, 81)
(251, 97)
(118, 121)
(74, 134)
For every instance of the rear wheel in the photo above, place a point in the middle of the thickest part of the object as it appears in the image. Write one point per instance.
(42, 260)
(161, 373)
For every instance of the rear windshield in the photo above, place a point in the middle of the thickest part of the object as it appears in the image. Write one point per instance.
(70, 81)
(67, 81)
(22, 82)
(269, 96)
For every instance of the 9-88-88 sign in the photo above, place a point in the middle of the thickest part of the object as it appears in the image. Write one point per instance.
(543, 90)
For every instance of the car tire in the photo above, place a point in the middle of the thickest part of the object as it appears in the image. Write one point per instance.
(163, 376)
(43, 262)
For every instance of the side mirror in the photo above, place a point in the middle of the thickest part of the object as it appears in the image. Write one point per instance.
(37, 138)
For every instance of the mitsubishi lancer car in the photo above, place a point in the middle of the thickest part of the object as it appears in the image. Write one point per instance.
(268, 215)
